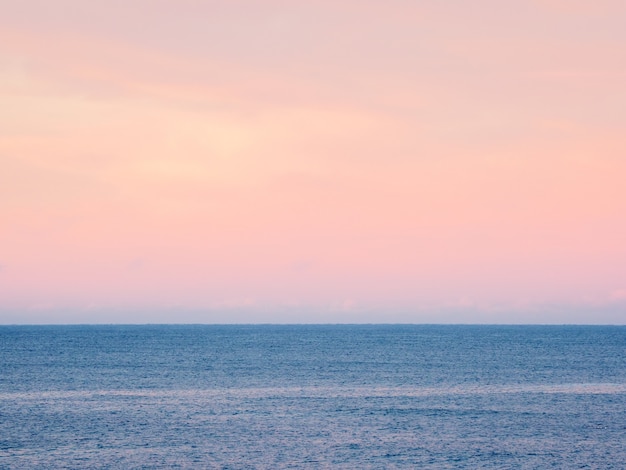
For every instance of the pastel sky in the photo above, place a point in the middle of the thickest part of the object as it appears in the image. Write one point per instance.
(313, 161)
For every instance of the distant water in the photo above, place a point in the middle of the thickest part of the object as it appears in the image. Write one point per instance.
(375, 396)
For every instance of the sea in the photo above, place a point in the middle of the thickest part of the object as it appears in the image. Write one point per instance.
(313, 396)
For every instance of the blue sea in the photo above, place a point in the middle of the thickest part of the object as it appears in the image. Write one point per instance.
(324, 396)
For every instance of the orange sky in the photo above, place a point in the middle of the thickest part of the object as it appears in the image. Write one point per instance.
(273, 161)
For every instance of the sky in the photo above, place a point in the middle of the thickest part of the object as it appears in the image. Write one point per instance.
(266, 161)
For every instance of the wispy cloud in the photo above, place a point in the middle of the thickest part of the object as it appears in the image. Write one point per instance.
(340, 157)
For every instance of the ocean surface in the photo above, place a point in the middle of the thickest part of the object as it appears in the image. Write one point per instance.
(341, 396)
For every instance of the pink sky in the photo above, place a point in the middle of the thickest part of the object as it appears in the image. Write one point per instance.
(312, 161)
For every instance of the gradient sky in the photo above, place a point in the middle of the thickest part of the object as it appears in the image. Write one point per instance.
(312, 161)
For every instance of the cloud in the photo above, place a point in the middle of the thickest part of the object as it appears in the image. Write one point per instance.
(136, 263)
(581, 7)
(618, 295)
(301, 265)
(346, 305)
(309, 153)
(233, 304)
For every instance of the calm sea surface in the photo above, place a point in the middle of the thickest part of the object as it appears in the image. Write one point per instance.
(352, 397)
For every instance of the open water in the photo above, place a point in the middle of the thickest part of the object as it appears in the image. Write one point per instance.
(343, 396)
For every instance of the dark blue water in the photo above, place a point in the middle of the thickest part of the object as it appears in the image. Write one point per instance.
(312, 397)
